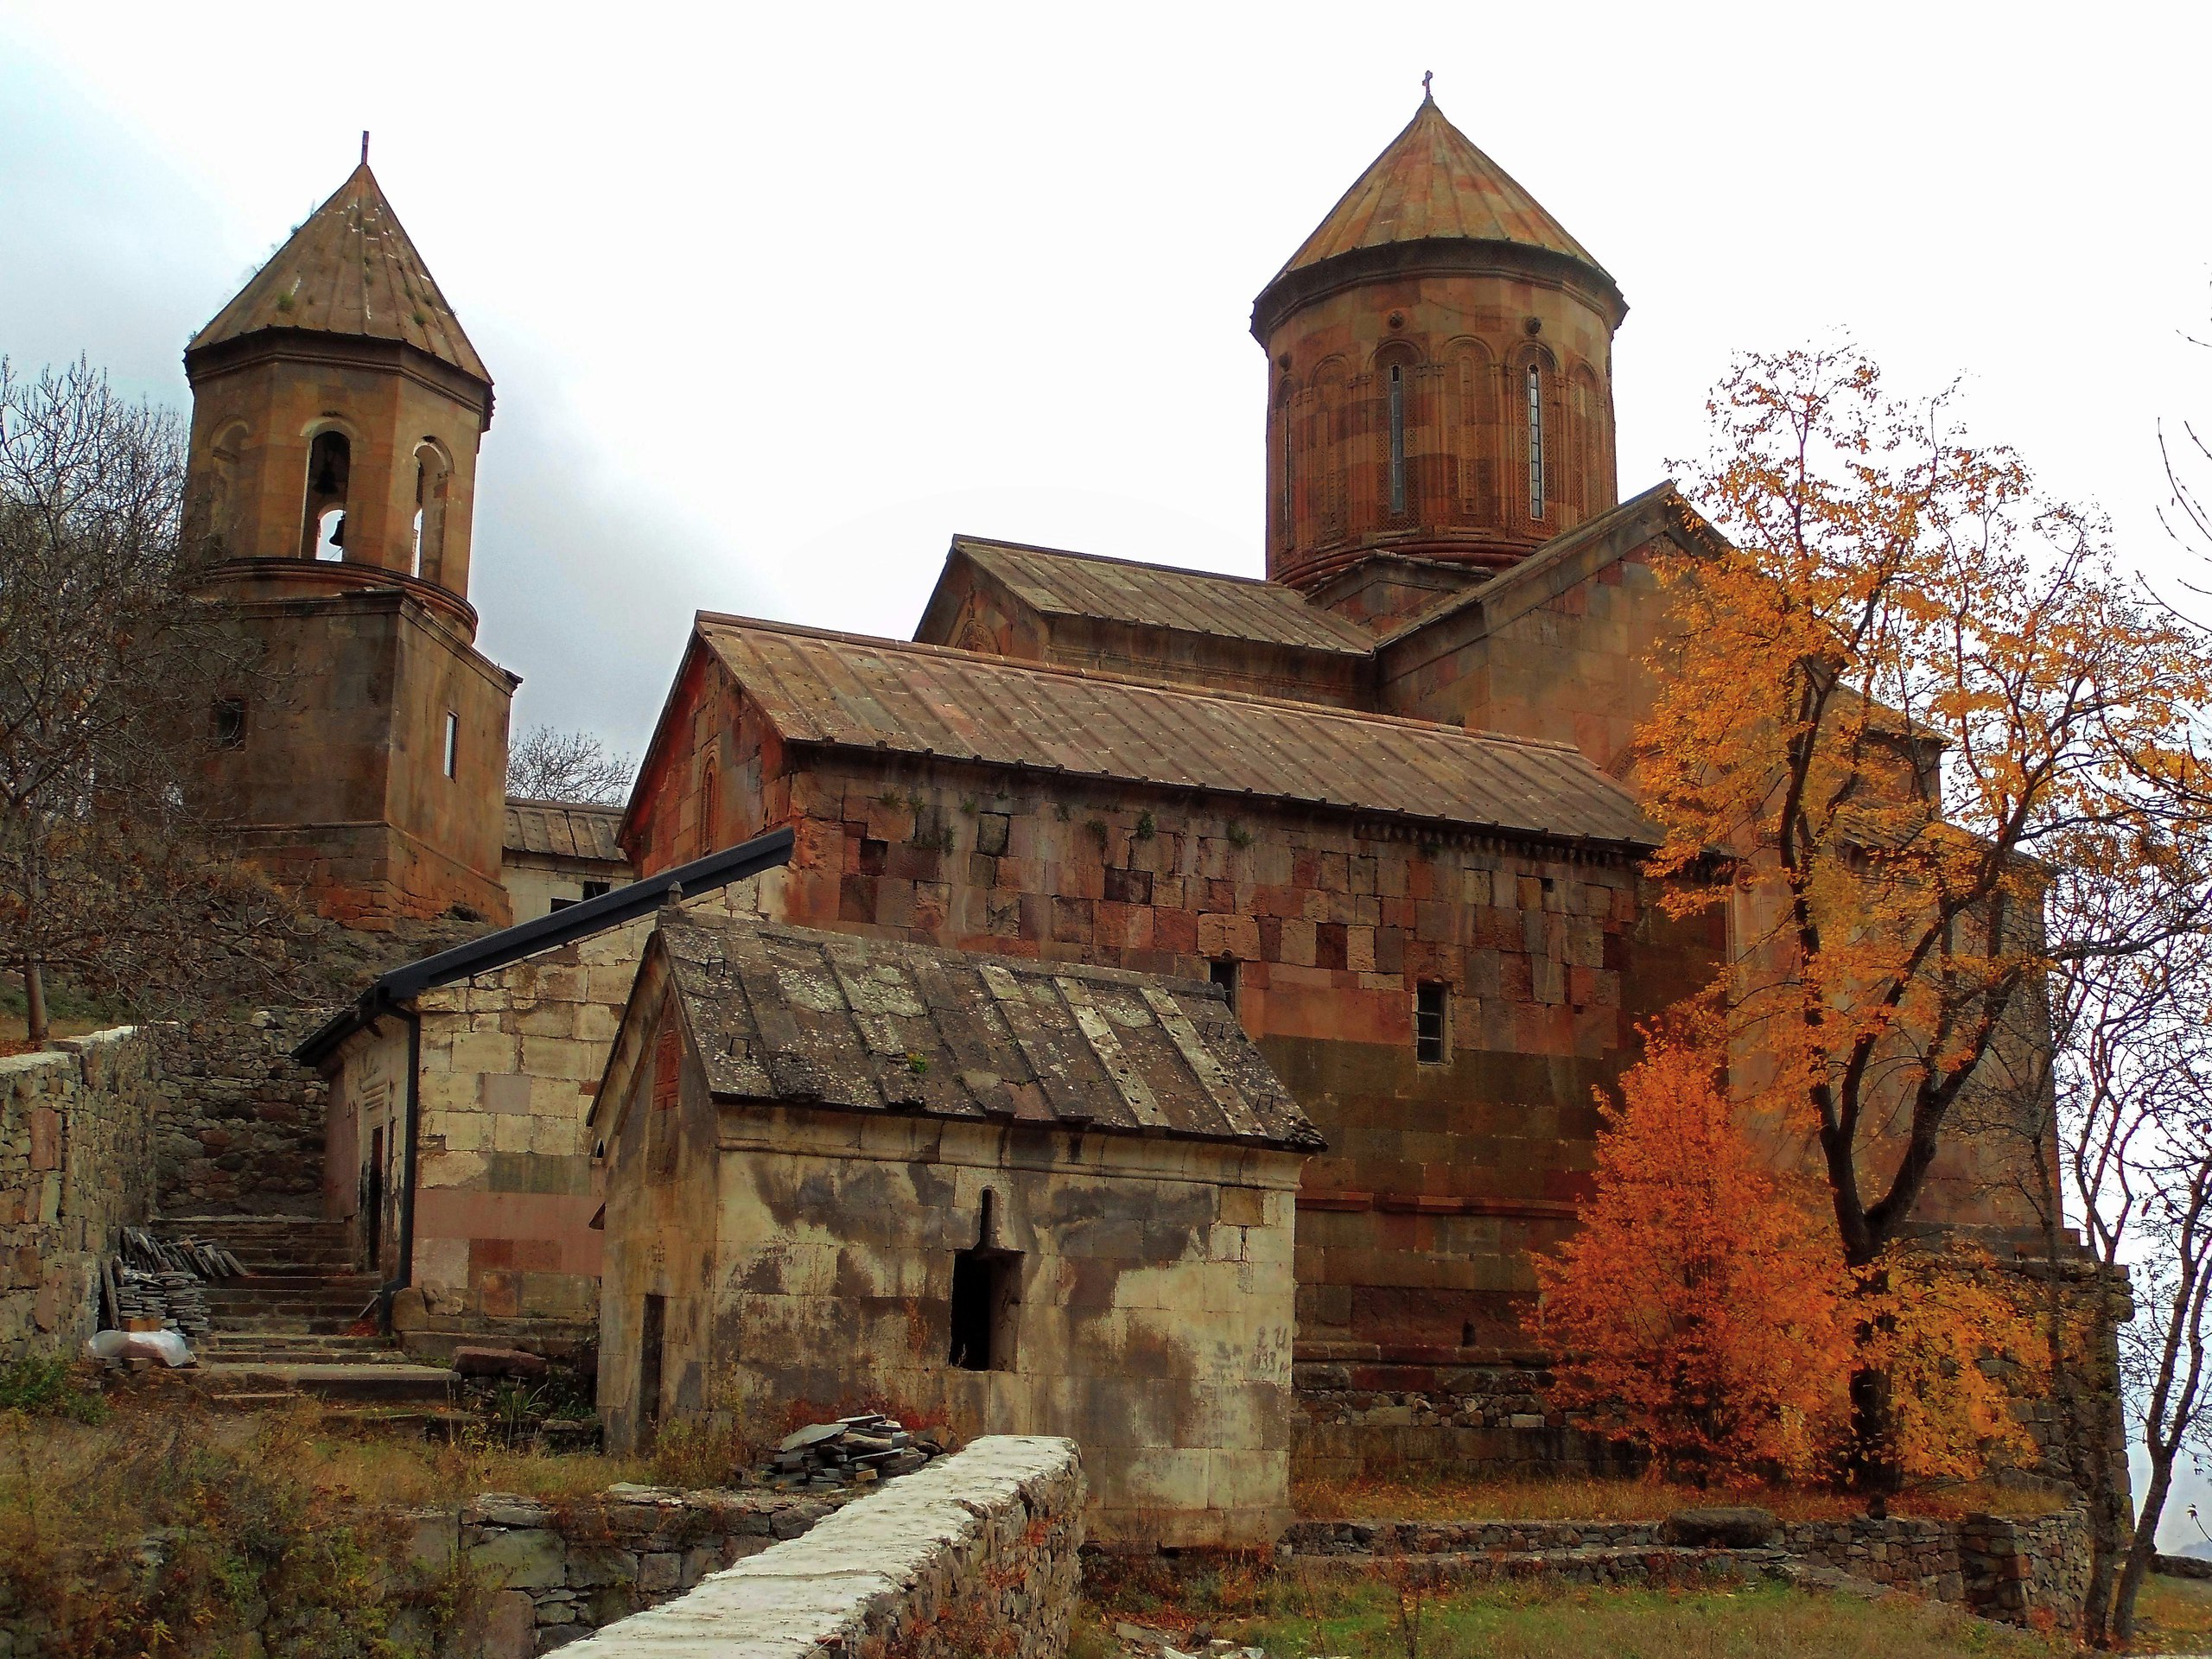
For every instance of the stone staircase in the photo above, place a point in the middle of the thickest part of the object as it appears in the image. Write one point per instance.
(302, 1321)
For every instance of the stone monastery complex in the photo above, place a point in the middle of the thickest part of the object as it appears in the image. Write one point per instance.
(1153, 1007)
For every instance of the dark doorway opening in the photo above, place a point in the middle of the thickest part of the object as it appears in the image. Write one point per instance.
(653, 1332)
(986, 1300)
(372, 1199)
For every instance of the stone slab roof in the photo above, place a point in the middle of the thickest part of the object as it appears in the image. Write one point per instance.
(350, 268)
(885, 695)
(799, 1016)
(1060, 583)
(1431, 183)
(564, 829)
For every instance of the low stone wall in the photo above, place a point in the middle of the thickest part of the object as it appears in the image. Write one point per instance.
(2013, 1569)
(76, 1165)
(975, 1554)
(553, 1573)
(242, 1127)
(2021, 1568)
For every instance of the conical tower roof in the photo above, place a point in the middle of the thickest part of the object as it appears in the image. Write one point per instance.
(350, 270)
(1431, 182)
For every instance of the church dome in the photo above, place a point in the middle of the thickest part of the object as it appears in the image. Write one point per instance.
(1441, 350)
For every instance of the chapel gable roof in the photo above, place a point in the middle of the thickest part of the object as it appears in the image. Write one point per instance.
(563, 829)
(1061, 584)
(349, 269)
(887, 696)
(795, 1016)
(1431, 183)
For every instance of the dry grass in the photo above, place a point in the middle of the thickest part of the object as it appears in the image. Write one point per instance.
(2174, 1616)
(1420, 1496)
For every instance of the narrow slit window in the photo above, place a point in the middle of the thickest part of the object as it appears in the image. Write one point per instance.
(453, 743)
(652, 1338)
(1398, 439)
(1222, 971)
(1535, 442)
(226, 723)
(1432, 1023)
(986, 1300)
(1289, 475)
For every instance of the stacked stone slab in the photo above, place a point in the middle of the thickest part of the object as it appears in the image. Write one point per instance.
(977, 1547)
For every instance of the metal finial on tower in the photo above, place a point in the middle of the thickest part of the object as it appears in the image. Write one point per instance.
(1426, 97)
(364, 141)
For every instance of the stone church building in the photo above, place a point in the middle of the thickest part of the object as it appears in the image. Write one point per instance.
(1382, 798)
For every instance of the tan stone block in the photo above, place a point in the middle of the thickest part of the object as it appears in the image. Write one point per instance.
(560, 1056)
(554, 1137)
(451, 1168)
(486, 1051)
(512, 1133)
(547, 1018)
(466, 1132)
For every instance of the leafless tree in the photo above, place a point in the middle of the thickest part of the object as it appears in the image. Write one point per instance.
(545, 765)
(2126, 1151)
(112, 872)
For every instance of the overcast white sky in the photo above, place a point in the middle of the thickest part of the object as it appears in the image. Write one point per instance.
(778, 298)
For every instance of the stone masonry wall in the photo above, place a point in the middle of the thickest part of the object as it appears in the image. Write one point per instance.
(242, 1131)
(976, 1546)
(76, 1165)
(554, 1573)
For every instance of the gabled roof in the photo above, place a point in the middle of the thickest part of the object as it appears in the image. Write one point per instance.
(1060, 583)
(349, 269)
(563, 829)
(1431, 183)
(793, 1016)
(885, 695)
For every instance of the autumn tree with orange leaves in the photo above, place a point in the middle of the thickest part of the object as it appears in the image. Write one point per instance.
(1903, 685)
(1700, 1310)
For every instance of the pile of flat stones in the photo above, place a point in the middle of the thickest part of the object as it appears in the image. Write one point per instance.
(851, 1451)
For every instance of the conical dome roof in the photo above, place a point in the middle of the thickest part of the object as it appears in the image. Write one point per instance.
(350, 270)
(1431, 183)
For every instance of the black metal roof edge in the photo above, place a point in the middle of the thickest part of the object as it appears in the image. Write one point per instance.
(578, 921)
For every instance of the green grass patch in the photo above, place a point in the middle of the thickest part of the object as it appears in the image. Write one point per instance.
(1376, 1609)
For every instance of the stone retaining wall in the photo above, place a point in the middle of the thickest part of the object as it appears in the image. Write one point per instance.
(242, 1129)
(554, 1573)
(1483, 1421)
(76, 1165)
(975, 1554)
(2009, 1567)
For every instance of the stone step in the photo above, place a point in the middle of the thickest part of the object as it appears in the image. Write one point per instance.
(389, 1382)
(286, 1324)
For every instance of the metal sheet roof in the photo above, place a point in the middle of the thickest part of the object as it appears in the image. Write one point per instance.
(1430, 182)
(1149, 595)
(350, 270)
(884, 695)
(564, 829)
(795, 1015)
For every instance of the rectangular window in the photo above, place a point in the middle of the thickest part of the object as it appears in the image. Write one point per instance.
(1398, 439)
(986, 1286)
(559, 904)
(226, 723)
(453, 741)
(597, 889)
(1432, 1023)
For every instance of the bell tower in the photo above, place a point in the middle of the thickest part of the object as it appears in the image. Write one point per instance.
(1440, 370)
(337, 412)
